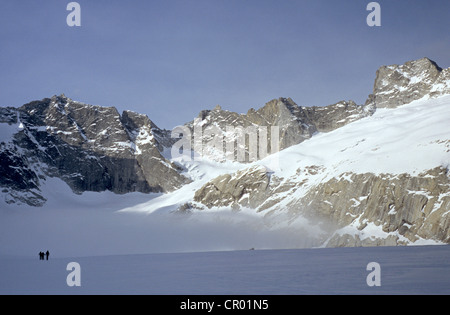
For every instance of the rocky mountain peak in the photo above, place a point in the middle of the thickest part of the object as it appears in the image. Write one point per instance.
(295, 123)
(62, 98)
(91, 148)
(279, 110)
(397, 85)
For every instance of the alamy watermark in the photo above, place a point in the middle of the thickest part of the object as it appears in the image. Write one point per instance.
(374, 18)
(74, 17)
(374, 277)
(74, 277)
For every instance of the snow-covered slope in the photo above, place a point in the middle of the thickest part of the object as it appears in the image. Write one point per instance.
(406, 141)
(409, 139)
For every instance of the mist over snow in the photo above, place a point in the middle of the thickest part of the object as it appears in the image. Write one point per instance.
(91, 224)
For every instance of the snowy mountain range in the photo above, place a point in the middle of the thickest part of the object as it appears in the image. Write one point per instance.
(344, 174)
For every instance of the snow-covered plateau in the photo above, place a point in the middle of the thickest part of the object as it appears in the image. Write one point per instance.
(405, 270)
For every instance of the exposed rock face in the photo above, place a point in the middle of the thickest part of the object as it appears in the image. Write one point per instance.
(396, 85)
(294, 127)
(331, 117)
(92, 148)
(402, 208)
(149, 141)
(296, 124)
(245, 188)
(19, 181)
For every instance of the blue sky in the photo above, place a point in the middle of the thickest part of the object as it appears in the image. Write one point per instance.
(170, 59)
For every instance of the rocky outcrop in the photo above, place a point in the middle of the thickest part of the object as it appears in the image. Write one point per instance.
(401, 209)
(294, 127)
(149, 141)
(332, 117)
(397, 85)
(295, 123)
(246, 188)
(291, 119)
(91, 148)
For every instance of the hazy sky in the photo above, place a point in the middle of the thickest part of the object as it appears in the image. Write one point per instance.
(170, 59)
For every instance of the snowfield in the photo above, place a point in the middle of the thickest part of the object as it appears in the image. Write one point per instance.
(409, 139)
(405, 270)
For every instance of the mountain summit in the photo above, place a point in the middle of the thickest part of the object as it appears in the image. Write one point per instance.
(396, 85)
(91, 148)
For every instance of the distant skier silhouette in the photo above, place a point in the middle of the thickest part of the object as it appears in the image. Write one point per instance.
(41, 256)
(46, 255)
